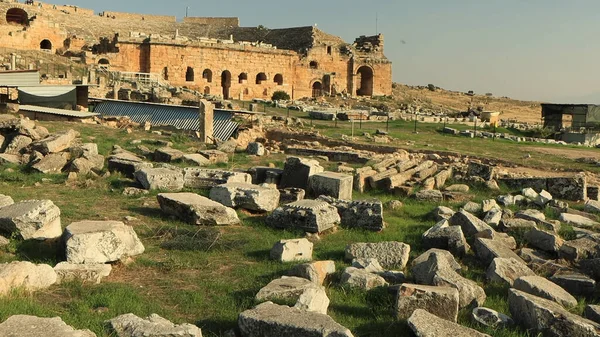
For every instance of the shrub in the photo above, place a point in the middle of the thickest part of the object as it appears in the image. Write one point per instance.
(431, 87)
(280, 96)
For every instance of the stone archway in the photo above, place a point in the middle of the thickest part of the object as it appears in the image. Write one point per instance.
(260, 78)
(317, 89)
(46, 45)
(278, 79)
(17, 16)
(226, 83)
(189, 74)
(365, 81)
(207, 75)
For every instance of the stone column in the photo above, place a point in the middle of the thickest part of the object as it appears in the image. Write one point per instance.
(13, 61)
(205, 115)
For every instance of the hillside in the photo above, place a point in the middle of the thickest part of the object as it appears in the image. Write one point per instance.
(441, 99)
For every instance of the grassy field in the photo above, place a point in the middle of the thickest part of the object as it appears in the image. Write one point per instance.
(207, 276)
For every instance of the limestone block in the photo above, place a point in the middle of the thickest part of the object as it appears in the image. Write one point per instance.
(194, 177)
(285, 288)
(546, 317)
(364, 214)
(127, 164)
(360, 278)
(52, 163)
(196, 209)
(272, 320)
(541, 287)
(290, 194)
(507, 270)
(389, 254)
(31, 219)
(256, 149)
(315, 272)
(292, 250)
(196, 158)
(312, 216)
(314, 300)
(438, 268)
(247, 196)
(215, 156)
(440, 301)
(336, 185)
(160, 179)
(100, 242)
(55, 142)
(297, 171)
(30, 326)
(167, 155)
(25, 275)
(130, 325)
(92, 273)
(17, 144)
(425, 324)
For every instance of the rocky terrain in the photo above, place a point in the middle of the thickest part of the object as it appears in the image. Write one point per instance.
(487, 236)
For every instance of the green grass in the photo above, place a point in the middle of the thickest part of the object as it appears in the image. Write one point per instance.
(207, 276)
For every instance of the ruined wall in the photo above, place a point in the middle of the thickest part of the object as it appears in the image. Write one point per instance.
(173, 61)
(138, 17)
(29, 36)
(325, 65)
(302, 61)
(227, 22)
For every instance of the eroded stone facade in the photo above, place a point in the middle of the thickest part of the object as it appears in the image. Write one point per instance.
(211, 55)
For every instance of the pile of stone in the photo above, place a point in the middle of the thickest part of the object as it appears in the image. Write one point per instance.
(22, 142)
(89, 245)
(128, 325)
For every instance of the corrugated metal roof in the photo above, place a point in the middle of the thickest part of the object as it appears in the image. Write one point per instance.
(20, 78)
(61, 112)
(180, 117)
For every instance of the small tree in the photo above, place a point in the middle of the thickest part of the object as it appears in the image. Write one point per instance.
(431, 87)
(280, 96)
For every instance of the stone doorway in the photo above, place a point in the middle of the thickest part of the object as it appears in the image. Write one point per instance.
(226, 83)
(365, 79)
(317, 89)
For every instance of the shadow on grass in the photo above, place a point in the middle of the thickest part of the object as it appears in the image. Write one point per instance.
(213, 327)
(153, 212)
(388, 328)
(47, 251)
(261, 255)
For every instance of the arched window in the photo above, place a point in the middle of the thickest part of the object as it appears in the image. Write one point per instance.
(365, 80)
(206, 90)
(329, 50)
(17, 16)
(104, 63)
(278, 79)
(243, 77)
(46, 45)
(317, 89)
(189, 74)
(313, 65)
(260, 78)
(207, 75)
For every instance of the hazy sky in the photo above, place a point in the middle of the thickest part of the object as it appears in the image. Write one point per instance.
(531, 49)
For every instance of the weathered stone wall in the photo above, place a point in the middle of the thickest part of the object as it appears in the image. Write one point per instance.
(220, 60)
(228, 22)
(138, 17)
(301, 61)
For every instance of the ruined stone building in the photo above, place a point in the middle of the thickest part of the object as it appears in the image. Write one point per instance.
(211, 55)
